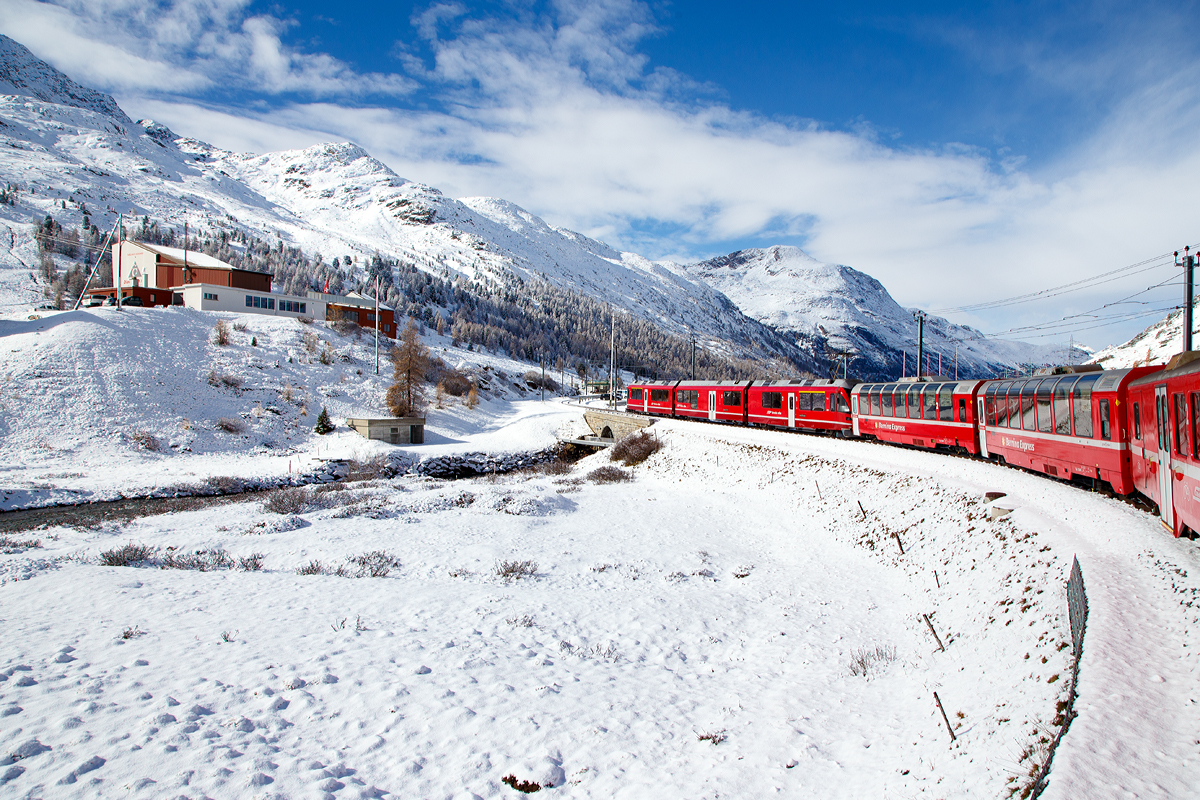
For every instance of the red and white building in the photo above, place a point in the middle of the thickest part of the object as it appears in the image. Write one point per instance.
(169, 276)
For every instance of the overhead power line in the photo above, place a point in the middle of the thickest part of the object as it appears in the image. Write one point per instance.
(1166, 259)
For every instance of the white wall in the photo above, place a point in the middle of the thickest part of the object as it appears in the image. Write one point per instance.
(234, 300)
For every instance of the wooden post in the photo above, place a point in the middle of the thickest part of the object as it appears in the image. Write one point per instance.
(937, 700)
(935, 578)
(898, 542)
(822, 499)
(860, 508)
(935, 636)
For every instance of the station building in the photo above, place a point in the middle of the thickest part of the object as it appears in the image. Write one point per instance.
(169, 276)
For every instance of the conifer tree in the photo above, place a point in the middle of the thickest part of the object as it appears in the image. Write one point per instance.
(323, 426)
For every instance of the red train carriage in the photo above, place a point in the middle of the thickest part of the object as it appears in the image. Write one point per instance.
(1161, 415)
(813, 405)
(925, 413)
(651, 397)
(1064, 425)
(716, 401)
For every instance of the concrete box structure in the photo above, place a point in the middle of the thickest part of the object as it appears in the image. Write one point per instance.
(207, 297)
(394, 430)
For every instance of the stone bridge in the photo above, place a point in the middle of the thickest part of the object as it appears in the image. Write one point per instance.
(614, 424)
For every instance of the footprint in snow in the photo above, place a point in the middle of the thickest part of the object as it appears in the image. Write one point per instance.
(12, 772)
(93, 763)
(27, 749)
(10, 709)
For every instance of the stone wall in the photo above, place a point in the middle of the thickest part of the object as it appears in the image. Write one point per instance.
(614, 424)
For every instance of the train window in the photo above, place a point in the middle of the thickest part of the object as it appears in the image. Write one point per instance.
(1192, 422)
(1014, 406)
(1045, 395)
(875, 403)
(1062, 406)
(635, 394)
(1002, 405)
(914, 401)
(854, 400)
(887, 401)
(731, 398)
(1159, 416)
(819, 403)
(1028, 406)
(929, 402)
(660, 396)
(1181, 439)
(989, 405)
(686, 397)
(962, 409)
(946, 402)
(839, 403)
(1105, 428)
(1081, 405)
(772, 400)
(1137, 420)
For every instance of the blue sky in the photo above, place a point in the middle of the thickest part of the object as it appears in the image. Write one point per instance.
(958, 152)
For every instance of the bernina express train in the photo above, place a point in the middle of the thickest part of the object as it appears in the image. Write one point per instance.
(1136, 430)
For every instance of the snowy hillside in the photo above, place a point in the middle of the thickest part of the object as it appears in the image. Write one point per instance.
(101, 403)
(833, 306)
(1155, 345)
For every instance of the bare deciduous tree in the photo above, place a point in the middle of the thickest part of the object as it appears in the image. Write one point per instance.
(410, 361)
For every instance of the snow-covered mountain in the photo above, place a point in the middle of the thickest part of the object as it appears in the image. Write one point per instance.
(70, 152)
(1155, 345)
(833, 308)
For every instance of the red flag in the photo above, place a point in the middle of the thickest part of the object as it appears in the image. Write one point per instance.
(327, 286)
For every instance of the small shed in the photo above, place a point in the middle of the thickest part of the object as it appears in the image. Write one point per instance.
(394, 430)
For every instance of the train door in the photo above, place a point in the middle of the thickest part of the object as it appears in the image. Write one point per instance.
(856, 399)
(712, 405)
(1166, 503)
(791, 410)
(981, 421)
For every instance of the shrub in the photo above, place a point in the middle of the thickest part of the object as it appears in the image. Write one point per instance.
(201, 560)
(287, 501)
(635, 448)
(525, 787)
(145, 440)
(231, 425)
(8, 545)
(715, 737)
(535, 380)
(326, 356)
(609, 475)
(376, 564)
(240, 327)
(472, 397)
(221, 333)
(218, 378)
(555, 468)
(128, 555)
(323, 426)
(313, 567)
(515, 570)
(251, 563)
(863, 660)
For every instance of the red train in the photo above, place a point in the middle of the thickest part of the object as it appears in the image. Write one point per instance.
(1136, 430)
(809, 405)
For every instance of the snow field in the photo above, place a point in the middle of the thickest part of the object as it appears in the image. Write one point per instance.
(635, 638)
(82, 393)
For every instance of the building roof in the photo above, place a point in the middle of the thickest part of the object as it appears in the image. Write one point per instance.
(195, 258)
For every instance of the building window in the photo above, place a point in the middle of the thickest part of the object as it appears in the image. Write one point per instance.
(271, 303)
(207, 296)
(249, 301)
(387, 328)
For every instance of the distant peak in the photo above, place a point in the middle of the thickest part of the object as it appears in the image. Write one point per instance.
(158, 132)
(23, 73)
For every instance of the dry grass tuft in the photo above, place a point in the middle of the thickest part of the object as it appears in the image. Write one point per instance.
(515, 570)
(864, 660)
(609, 475)
(231, 425)
(128, 555)
(635, 448)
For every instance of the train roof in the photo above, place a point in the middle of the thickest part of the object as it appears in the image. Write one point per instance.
(1181, 364)
(845, 384)
(1107, 380)
(960, 387)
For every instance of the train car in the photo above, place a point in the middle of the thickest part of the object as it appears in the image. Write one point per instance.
(1067, 423)
(1161, 414)
(811, 405)
(715, 401)
(656, 398)
(926, 412)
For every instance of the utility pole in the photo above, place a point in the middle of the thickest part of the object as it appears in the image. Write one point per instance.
(117, 268)
(920, 315)
(904, 363)
(377, 279)
(1188, 263)
(693, 358)
(956, 361)
(543, 384)
(612, 360)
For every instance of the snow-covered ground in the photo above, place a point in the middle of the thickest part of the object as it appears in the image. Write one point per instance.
(100, 403)
(690, 633)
